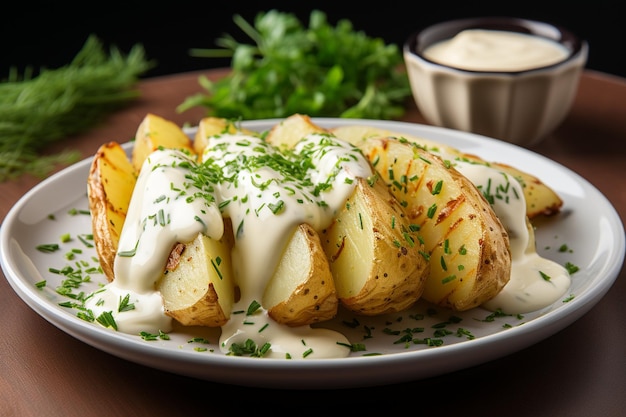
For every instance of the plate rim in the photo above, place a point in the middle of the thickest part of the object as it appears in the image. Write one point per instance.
(315, 373)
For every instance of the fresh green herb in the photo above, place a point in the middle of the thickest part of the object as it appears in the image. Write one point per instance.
(249, 347)
(319, 70)
(129, 253)
(75, 211)
(125, 304)
(437, 189)
(39, 110)
(85, 240)
(253, 307)
(216, 266)
(151, 336)
(431, 211)
(545, 276)
(357, 347)
(198, 340)
(106, 319)
(571, 268)
(48, 247)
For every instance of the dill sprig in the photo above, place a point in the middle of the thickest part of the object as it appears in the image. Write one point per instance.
(38, 110)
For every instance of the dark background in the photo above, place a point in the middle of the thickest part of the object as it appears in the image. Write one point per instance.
(48, 34)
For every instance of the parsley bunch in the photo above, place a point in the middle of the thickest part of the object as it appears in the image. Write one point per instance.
(320, 71)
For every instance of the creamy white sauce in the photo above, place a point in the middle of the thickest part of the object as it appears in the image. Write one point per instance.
(535, 282)
(496, 50)
(264, 205)
(260, 233)
(159, 216)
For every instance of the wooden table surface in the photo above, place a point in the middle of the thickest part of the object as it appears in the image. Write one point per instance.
(580, 371)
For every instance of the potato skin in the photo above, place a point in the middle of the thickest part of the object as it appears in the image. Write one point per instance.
(375, 257)
(470, 258)
(541, 200)
(304, 272)
(110, 186)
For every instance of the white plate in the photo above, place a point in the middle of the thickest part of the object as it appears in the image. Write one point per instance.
(588, 225)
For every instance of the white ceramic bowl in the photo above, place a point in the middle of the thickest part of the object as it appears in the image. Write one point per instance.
(518, 106)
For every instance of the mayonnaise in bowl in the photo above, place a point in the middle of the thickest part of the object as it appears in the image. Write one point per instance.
(496, 50)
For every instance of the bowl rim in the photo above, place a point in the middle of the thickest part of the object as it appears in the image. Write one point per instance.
(426, 36)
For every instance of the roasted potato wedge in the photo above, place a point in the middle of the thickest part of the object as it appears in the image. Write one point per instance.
(540, 198)
(302, 290)
(154, 132)
(375, 256)
(470, 258)
(197, 285)
(110, 186)
(289, 131)
(356, 134)
(211, 126)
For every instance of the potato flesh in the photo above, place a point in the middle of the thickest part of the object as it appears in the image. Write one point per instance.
(301, 290)
(212, 126)
(349, 247)
(470, 259)
(154, 132)
(287, 133)
(377, 269)
(199, 290)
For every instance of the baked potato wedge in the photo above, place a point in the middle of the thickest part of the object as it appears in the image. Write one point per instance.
(154, 132)
(286, 133)
(301, 290)
(470, 257)
(110, 185)
(197, 284)
(540, 198)
(375, 255)
(212, 126)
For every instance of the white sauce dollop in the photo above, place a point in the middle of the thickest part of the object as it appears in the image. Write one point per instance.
(495, 50)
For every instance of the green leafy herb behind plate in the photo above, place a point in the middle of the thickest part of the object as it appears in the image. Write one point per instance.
(322, 70)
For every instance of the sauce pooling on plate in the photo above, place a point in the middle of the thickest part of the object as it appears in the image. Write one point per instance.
(535, 282)
(496, 50)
